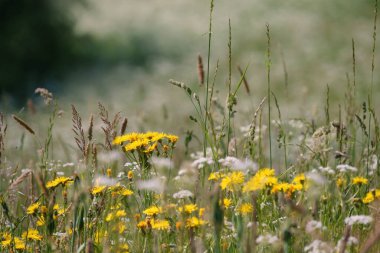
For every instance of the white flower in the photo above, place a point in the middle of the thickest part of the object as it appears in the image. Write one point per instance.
(326, 170)
(318, 246)
(68, 165)
(346, 168)
(201, 162)
(236, 164)
(155, 184)
(358, 219)
(60, 173)
(313, 225)
(317, 178)
(101, 180)
(183, 194)
(162, 162)
(266, 239)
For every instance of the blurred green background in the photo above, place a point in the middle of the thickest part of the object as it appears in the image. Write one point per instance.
(122, 52)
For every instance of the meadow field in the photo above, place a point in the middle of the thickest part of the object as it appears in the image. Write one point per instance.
(238, 126)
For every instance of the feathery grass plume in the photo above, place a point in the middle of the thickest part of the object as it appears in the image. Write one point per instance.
(124, 125)
(362, 124)
(23, 124)
(78, 131)
(90, 128)
(20, 179)
(45, 94)
(231, 101)
(201, 71)
(3, 131)
(245, 82)
(110, 126)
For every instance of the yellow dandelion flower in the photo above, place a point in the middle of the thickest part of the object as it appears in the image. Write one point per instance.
(151, 148)
(194, 222)
(109, 217)
(245, 208)
(136, 145)
(120, 213)
(121, 227)
(19, 243)
(6, 239)
(153, 210)
(33, 208)
(127, 137)
(160, 224)
(43, 209)
(32, 234)
(109, 172)
(157, 137)
(172, 138)
(262, 179)
(201, 211)
(64, 181)
(130, 175)
(227, 202)
(214, 176)
(40, 221)
(142, 225)
(299, 179)
(232, 180)
(188, 208)
(369, 197)
(340, 182)
(98, 189)
(126, 192)
(359, 180)
(280, 187)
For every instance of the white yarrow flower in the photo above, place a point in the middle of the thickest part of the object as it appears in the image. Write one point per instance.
(358, 219)
(183, 194)
(266, 239)
(318, 246)
(313, 225)
(346, 168)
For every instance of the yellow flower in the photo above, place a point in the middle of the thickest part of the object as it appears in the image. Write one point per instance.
(130, 175)
(280, 187)
(59, 210)
(128, 137)
(263, 178)
(32, 234)
(368, 198)
(121, 227)
(19, 243)
(232, 180)
(32, 209)
(40, 221)
(188, 208)
(109, 217)
(299, 179)
(214, 176)
(142, 224)
(194, 222)
(120, 213)
(59, 181)
(172, 138)
(227, 203)
(359, 180)
(6, 239)
(160, 224)
(201, 211)
(109, 172)
(98, 189)
(153, 210)
(245, 208)
(340, 182)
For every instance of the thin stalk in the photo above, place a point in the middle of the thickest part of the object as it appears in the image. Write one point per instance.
(268, 64)
(371, 87)
(208, 76)
(229, 86)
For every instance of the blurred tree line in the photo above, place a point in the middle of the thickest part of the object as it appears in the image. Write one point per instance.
(39, 46)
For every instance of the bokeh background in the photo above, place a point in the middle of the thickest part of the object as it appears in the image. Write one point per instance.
(123, 52)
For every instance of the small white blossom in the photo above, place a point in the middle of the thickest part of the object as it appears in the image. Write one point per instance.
(68, 165)
(358, 219)
(313, 225)
(201, 162)
(346, 168)
(326, 170)
(183, 194)
(266, 239)
(236, 164)
(155, 184)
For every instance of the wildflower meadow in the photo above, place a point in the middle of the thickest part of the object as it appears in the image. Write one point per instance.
(216, 180)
